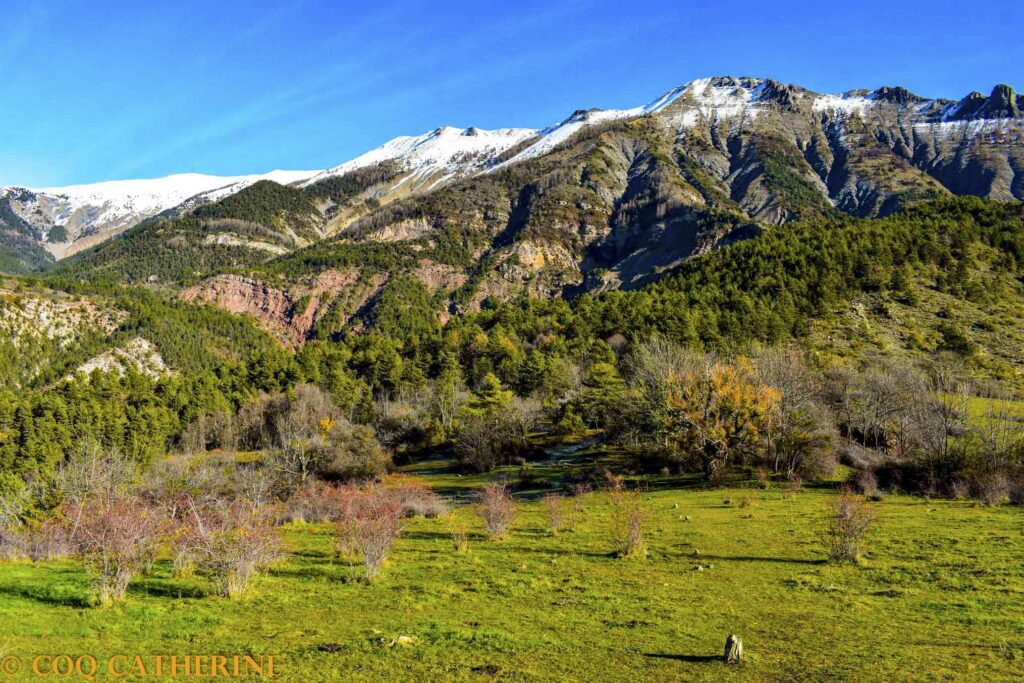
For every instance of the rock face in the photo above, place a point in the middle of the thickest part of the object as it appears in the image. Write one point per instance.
(290, 315)
(246, 296)
(136, 353)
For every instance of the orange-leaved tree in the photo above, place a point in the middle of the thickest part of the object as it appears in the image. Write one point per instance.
(716, 412)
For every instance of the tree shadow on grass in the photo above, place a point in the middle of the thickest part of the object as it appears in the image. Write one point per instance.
(441, 536)
(752, 558)
(694, 659)
(340, 571)
(50, 595)
(160, 588)
(555, 552)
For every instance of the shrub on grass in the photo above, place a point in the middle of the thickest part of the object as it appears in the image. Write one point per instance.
(580, 495)
(849, 520)
(416, 497)
(793, 486)
(372, 526)
(558, 512)
(628, 516)
(867, 483)
(117, 540)
(317, 501)
(232, 542)
(459, 534)
(496, 508)
(992, 489)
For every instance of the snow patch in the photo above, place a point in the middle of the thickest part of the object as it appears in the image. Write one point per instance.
(846, 103)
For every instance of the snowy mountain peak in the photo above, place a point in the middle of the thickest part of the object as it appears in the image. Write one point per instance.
(447, 150)
(70, 218)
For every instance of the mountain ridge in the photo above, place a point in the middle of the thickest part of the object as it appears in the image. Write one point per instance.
(65, 220)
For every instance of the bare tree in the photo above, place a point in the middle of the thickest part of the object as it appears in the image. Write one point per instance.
(654, 362)
(801, 427)
(376, 524)
(447, 399)
(301, 424)
(484, 440)
(92, 473)
(558, 510)
(116, 540)
(496, 508)
(1000, 434)
(848, 522)
(941, 419)
(628, 516)
(231, 543)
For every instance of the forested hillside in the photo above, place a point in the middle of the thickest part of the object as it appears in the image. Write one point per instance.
(781, 288)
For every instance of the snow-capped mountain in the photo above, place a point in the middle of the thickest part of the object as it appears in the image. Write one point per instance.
(441, 154)
(68, 219)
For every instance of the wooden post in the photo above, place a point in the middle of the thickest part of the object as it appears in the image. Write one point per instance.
(733, 649)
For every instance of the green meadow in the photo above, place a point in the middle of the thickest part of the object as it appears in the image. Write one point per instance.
(938, 595)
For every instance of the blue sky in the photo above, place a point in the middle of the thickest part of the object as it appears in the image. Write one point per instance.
(103, 90)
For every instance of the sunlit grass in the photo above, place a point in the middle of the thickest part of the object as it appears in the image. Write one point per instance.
(940, 594)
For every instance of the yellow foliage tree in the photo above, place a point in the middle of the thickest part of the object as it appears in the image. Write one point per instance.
(717, 412)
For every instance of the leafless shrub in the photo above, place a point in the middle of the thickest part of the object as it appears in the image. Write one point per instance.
(496, 508)
(849, 520)
(459, 533)
(370, 526)
(867, 483)
(416, 497)
(317, 501)
(231, 543)
(628, 516)
(116, 540)
(793, 486)
(558, 511)
(992, 489)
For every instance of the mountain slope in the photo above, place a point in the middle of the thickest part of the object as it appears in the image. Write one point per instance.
(65, 220)
(863, 152)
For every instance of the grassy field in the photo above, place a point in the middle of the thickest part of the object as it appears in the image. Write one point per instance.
(939, 596)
